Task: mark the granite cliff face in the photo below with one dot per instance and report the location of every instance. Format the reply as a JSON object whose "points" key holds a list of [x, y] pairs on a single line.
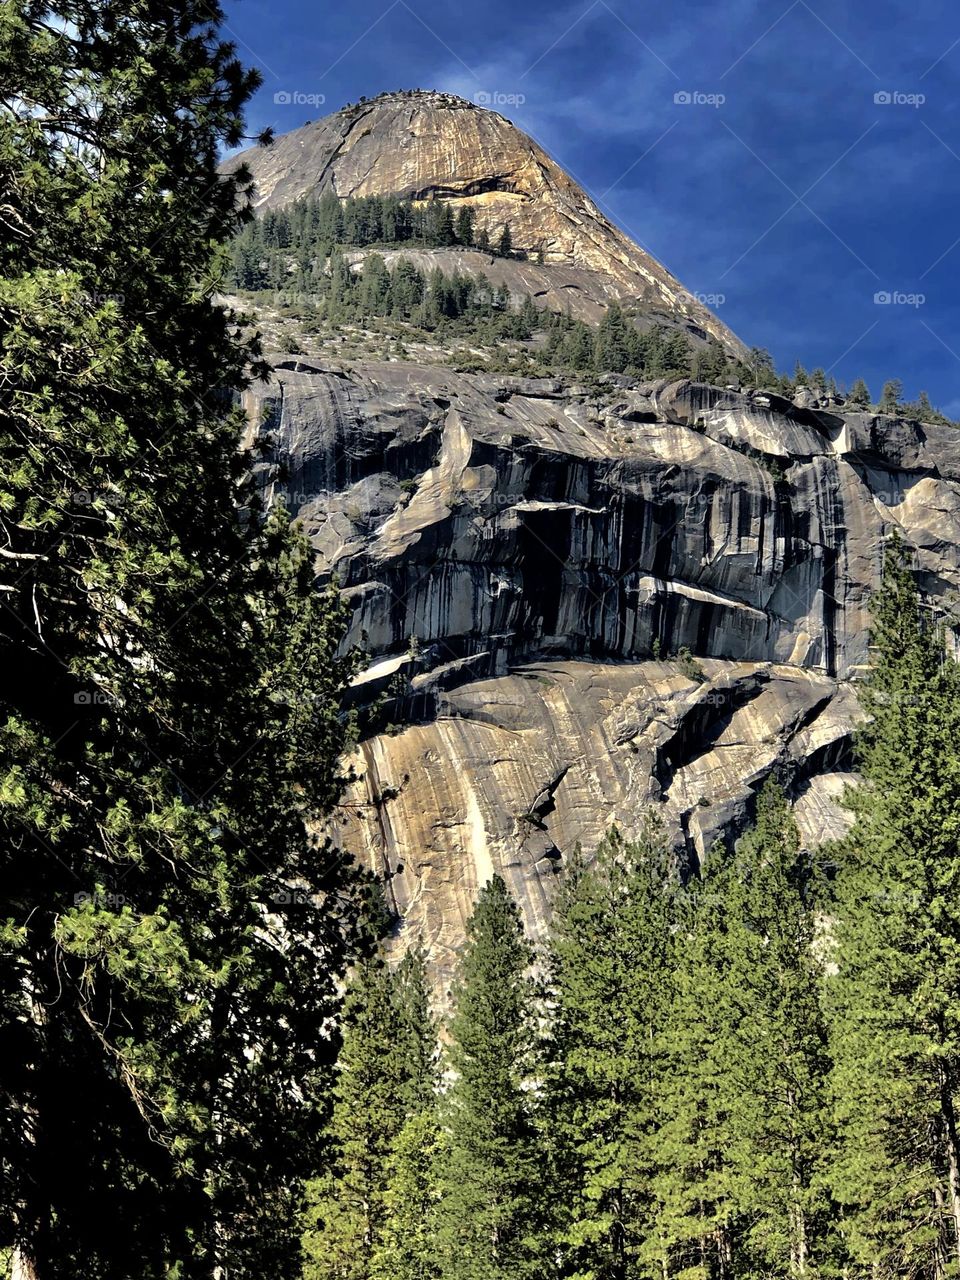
{"points": [[425, 145], [579, 600], [528, 563]]}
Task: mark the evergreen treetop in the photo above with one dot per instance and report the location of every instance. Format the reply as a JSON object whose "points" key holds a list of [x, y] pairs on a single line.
{"points": [[490, 1173]]}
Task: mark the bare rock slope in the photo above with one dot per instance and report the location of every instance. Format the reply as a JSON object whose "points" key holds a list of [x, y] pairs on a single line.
{"points": [[579, 602], [425, 145]]}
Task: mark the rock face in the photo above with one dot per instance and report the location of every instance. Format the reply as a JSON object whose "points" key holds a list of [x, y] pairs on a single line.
{"points": [[426, 145], [529, 561], [514, 772], [579, 601], [494, 520]]}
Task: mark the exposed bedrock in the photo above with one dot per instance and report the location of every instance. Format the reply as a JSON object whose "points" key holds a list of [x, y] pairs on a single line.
{"points": [[515, 771], [528, 562], [483, 518], [424, 146]]}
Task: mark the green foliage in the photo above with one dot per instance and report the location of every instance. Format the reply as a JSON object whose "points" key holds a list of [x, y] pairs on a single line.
{"points": [[384, 1093], [617, 346], [763, 369], [746, 1132], [697, 1222], [781, 1112], [490, 1177], [409, 1246], [689, 665], [891, 397], [894, 996], [464, 226], [858, 397], [608, 990], [295, 242], [433, 302], [171, 720]]}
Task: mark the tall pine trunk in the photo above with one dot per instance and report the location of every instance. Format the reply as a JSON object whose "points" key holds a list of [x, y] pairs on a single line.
{"points": [[950, 1144], [799, 1248], [23, 1267]]}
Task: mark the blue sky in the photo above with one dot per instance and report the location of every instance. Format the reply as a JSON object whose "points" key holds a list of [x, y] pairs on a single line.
{"points": [[816, 166]]}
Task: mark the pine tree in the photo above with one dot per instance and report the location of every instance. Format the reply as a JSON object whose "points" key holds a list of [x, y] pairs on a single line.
{"points": [[505, 243], [529, 315], [925, 410], [677, 354], [385, 1079], [446, 234], [465, 226], [341, 288], [483, 240], [578, 347], [415, 1034], [383, 1130], [714, 363], [696, 1214], [608, 978], [891, 396], [407, 1245], [894, 998], [742, 1148], [173, 724], [762, 368], [490, 1184], [345, 1206], [779, 1066], [612, 341], [859, 395], [375, 286]]}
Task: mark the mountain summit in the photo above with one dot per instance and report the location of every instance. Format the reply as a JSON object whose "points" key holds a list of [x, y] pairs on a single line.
{"points": [[425, 145]]}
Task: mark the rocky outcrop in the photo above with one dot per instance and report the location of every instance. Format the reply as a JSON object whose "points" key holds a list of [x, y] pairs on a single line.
{"points": [[492, 520], [425, 145], [581, 601], [514, 772]]}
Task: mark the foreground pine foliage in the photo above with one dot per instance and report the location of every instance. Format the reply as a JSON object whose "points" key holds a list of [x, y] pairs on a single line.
{"points": [[171, 933]]}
